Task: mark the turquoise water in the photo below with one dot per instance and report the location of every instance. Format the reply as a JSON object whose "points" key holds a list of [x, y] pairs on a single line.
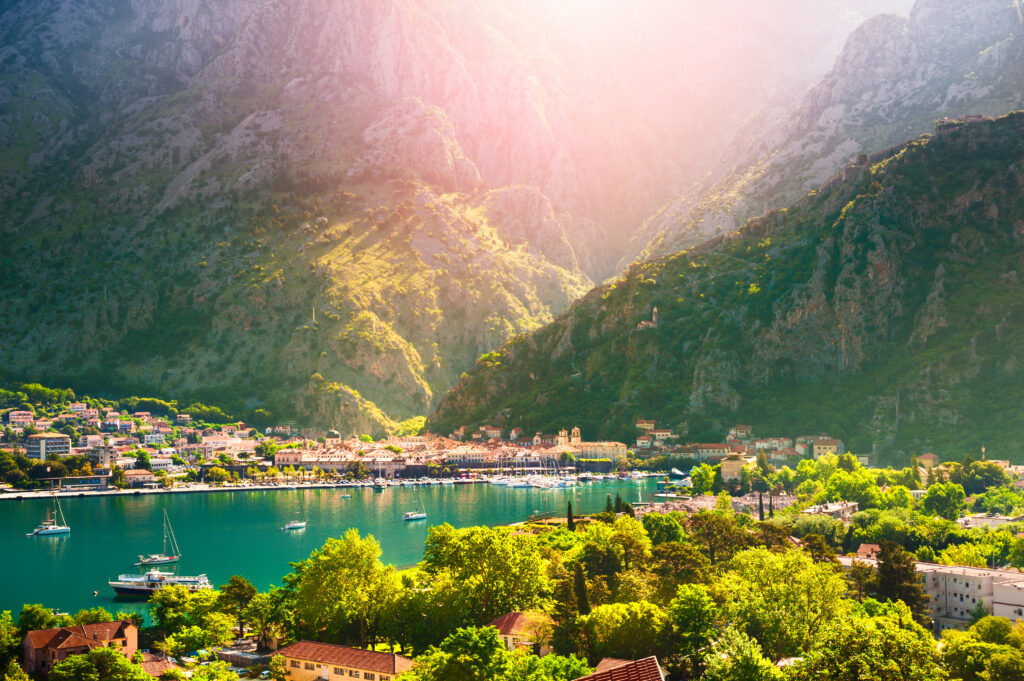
{"points": [[227, 533]]}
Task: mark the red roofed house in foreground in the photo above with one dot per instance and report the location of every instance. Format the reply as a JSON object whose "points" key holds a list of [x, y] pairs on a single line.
{"points": [[43, 648], [646, 669], [311, 661], [530, 630]]}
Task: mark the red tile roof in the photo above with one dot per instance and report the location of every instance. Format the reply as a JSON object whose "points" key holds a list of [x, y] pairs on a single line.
{"points": [[344, 656], [646, 669], [155, 666], [607, 663], [517, 623], [78, 635]]}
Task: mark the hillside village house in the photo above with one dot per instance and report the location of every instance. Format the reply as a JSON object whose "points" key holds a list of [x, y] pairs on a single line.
{"points": [[137, 477], [732, 466], [646, 669], [839, 510], [43, 648], [528, 630], [310, 661], [20, 418]]}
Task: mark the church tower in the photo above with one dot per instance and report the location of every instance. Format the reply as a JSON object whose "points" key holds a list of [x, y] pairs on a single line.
{"points": [[576, 437]]}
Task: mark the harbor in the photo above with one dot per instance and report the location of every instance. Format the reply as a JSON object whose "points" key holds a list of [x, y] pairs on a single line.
{"points": [[220, 535]]}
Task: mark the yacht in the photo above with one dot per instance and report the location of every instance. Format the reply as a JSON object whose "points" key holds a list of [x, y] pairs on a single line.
{"points": [[414, 515], [295, 525], [154, 580], [163, 557], [50, 525]]}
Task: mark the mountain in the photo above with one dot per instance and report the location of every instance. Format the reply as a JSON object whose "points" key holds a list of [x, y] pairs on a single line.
{"points": [[329, 210], [884, 309], [894, 78]]}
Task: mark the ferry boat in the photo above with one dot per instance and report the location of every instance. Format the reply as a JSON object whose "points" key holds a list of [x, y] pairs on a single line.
{"points": [[163, 558], [154, 580], [50, 525]]}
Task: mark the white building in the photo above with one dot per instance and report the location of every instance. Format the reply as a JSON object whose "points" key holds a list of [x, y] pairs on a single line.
{"points": [[154, 438], [41, 445]]}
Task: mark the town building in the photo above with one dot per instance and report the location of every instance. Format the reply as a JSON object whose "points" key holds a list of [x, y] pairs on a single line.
{"points": [[645, 424], [838, 510], [138, 477], [20, 418], [528, 630], [183, 418], [42, 445], [733, 464], [43, 648], [311, 661], [928, 461]]}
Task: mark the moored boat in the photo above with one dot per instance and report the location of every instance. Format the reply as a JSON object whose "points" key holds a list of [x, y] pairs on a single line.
{"points": [[154, 580], [50, 526], [414, 515], [163, 558]]}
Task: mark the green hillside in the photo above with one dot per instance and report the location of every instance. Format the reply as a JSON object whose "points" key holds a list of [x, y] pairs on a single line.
{"points": [[883, 309]]}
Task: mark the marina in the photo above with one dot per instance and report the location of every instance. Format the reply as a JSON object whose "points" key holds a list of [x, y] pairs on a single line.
{"points": [[240, 532]]}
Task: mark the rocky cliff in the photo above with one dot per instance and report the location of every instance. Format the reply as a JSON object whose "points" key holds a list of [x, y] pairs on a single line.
{"points": [[330, 209], [884, 309], [894, 78]]}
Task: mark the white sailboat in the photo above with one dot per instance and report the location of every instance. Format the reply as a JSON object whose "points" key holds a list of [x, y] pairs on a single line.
{"points": [[416, 515], [163, 557], [50, 525], [298, 523]]}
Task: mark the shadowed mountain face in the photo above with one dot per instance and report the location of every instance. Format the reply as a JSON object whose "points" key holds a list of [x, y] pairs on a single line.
{"points": [[894, 78], [330, 209], [885, 309]]}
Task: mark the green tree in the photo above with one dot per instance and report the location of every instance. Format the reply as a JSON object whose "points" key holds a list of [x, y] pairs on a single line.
{"points": [[342, 584], [624, 630], [92, 616], [15, 672], [703, 478], [142, 460], [235, 597], [492, 570], [898, 580], [217, 475], [992, 629], [99, 664], [467, 654], [737, 657], [580, 589], [35, 616], [10, 640], [876, 648], [264, 613], [278, 671], [944, 499], [662, 528], [692, 617], [571, 521], [1005, 665], [782, 600]]}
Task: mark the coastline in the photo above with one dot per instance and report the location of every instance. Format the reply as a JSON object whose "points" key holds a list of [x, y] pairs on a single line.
{"points": [[192, 489]]}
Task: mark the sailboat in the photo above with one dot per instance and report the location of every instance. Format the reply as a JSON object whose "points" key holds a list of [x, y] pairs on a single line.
{"points": [[50, 525], [163, 557], [416, 515], [298, 523]]}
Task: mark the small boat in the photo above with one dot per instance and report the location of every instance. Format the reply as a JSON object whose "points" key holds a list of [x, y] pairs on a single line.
{"points": [[298, 523], [50, 525], [163, 558], [414, 515], [154, 580], [346, 496]]}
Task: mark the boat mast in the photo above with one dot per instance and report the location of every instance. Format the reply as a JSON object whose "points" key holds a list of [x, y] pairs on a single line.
{"points": [[63, 522], [168, 530]]}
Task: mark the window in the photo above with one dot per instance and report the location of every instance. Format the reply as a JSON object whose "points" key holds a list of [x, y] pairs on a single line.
{"points": [[384, 677], [368, 676], [353, 673], [339, 671], [310, 665], [294, 663]]}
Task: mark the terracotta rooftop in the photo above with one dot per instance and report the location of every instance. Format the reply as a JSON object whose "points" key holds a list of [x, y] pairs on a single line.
{"points": [[517, 623], [646, 669], [607, 663], [155, 666], [344, 656], [78, 635]]}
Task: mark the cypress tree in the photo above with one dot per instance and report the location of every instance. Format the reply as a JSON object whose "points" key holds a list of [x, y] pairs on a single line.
{"points": [[898, 580], [572, 522], [618, 503], [608, 508], [771, 506], [760, 506], [580, 587]]}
